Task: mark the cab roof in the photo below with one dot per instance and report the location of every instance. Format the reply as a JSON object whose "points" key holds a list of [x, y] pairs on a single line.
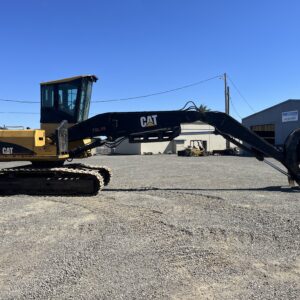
{"points": [[91, 77]]}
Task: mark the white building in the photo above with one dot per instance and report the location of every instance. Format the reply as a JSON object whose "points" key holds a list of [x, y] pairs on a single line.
{"points": [[194, 131]]}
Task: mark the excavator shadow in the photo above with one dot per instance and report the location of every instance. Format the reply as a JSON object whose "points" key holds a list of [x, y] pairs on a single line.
{"points": [[283, 189]]}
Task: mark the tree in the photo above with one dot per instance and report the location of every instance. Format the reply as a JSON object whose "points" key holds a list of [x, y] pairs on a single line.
{"points": [[203, 108]]}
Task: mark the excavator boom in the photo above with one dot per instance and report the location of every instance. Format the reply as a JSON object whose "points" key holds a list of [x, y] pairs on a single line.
{"points": [[156, 126]]}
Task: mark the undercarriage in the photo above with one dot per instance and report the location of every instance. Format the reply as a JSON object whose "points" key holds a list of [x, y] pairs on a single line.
{"points": [[70, 180]]}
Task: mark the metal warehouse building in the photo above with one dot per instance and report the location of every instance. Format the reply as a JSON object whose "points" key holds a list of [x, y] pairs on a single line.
{"points": [[274, 124], [197, 131]]}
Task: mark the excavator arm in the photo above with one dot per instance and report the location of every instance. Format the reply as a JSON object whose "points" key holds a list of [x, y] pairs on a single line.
{"points": [[156, 126]]}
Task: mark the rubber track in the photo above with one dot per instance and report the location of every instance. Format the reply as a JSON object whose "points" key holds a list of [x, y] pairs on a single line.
{"points": [[60, 174]]}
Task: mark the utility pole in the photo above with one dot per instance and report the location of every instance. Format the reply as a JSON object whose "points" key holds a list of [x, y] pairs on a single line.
{"points": [[226, 91]]}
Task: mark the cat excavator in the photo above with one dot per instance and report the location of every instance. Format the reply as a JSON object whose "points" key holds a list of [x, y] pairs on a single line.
{"points": [[66, 133]]}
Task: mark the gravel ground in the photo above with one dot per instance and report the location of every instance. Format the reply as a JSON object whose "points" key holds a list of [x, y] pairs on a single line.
{"points": [[167, 227]]}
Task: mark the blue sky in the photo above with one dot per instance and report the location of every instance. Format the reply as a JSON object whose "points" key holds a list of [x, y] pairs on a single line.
{"points": [[138, 47]]}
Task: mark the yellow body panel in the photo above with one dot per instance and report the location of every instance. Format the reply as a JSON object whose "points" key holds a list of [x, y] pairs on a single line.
{"points": [[33, 145], [27, 138], [27, 145]]}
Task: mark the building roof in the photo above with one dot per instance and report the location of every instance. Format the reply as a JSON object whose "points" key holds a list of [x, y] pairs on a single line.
{"points": [[272, 107]]}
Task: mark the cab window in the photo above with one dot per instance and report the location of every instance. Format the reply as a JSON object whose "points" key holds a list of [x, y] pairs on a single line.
{"points": [[84, 105], [48, 96], [67, 97]]}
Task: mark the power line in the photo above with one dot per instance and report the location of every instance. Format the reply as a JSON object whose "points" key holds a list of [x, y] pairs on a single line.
{"points": [[18, 112], [129, 98], [235, 110], [241, 94], [159, 93], [19, 101]]}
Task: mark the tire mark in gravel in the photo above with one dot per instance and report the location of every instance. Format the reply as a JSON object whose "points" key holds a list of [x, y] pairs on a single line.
{"points": [[173, 227], [72, 203], [153, 189], [199, 194], [257, 218], [141, 208]]}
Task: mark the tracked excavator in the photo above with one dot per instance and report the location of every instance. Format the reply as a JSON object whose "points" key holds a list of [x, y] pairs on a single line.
{"points": [[67, 133]]}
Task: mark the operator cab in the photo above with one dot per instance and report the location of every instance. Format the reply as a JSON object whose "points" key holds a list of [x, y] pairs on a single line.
{"points": [[66, 99]]}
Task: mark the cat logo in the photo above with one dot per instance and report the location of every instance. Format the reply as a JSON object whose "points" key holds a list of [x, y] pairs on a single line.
{"points": [[149, 121], [7, 150]]}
